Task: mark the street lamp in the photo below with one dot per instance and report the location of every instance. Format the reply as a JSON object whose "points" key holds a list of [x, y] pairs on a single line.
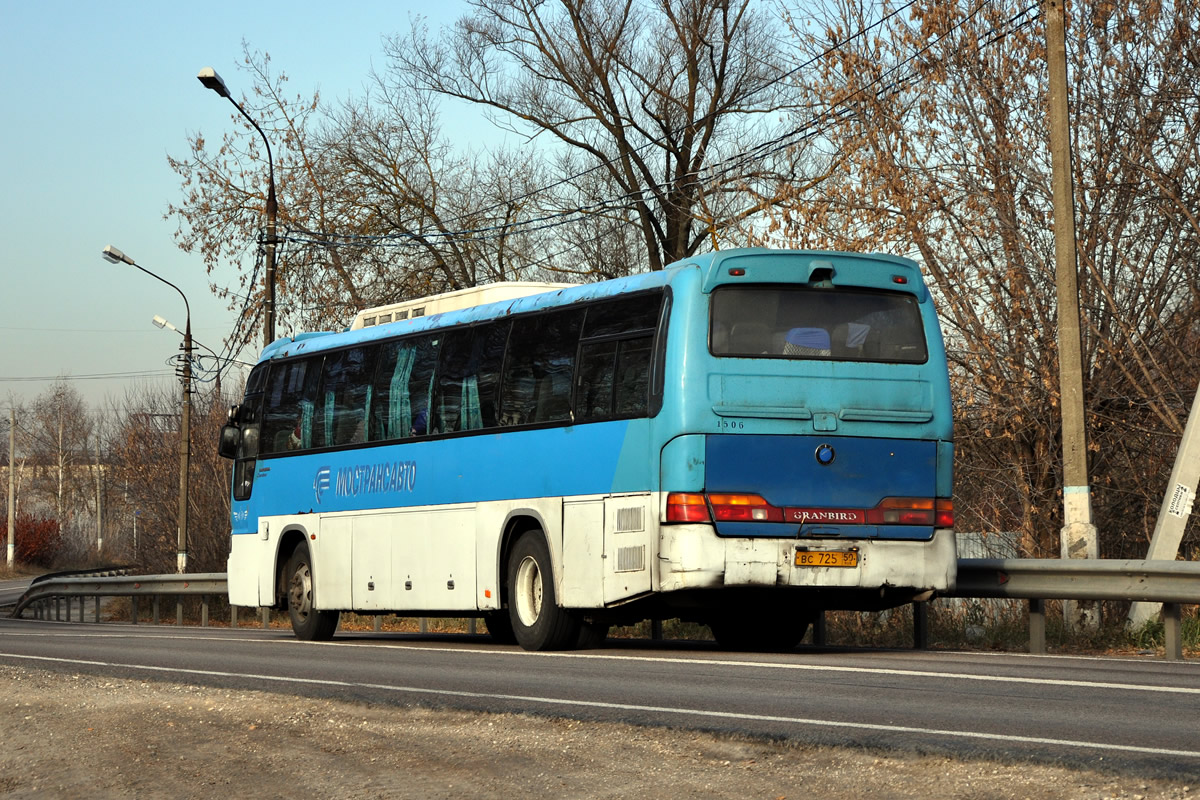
{"points": [[163, 322], [209, 77], [116, 256]]}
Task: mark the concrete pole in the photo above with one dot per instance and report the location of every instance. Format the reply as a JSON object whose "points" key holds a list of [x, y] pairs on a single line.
{"points": [[1079, 538], [99, 502], [185, 437], [12, 486], [1176, 507], [58, 510]]}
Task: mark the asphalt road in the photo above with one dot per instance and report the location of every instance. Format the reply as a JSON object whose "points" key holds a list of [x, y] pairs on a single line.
{"points": [[1120, 713]]}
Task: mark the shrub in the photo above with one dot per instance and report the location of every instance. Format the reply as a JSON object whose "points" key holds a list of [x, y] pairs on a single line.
{"points": [[39, 540]]}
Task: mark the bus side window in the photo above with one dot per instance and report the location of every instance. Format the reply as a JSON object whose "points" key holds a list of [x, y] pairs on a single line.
{"points": [[340, 408], [482, 381], [287, 412], [540, 366], [597, 365], [468, 376], [401, 394], [632, 384], [614, 358]]}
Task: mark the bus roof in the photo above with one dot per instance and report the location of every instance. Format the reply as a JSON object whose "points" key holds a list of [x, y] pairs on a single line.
{"points": [[758, 265], [450, 301]]}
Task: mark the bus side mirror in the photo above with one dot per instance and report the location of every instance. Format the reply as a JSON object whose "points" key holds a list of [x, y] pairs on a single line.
{"points": [[231, 437]]}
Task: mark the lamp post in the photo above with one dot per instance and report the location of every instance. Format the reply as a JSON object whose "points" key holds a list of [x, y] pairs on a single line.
{"points": [[116, 256], [209, 77]]}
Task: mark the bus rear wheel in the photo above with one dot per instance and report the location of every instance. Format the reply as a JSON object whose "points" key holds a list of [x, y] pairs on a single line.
{"points": [[537, 621], [308, 623]]}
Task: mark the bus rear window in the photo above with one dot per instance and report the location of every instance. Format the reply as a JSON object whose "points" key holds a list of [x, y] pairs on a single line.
{"points": [[826, 324]]}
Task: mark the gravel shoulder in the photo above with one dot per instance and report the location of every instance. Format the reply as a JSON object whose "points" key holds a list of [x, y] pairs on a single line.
{"points": [[70, 735]]}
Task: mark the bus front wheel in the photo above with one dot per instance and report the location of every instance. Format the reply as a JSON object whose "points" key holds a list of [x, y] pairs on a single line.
{"points": [[308, 623], [537, 621]]}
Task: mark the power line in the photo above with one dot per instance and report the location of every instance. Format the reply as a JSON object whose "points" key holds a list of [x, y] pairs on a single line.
{"points": [[92, 377]]}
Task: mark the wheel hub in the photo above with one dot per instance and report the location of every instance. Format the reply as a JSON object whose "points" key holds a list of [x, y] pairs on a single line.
{"points": [[300, 591], [529, 592]]}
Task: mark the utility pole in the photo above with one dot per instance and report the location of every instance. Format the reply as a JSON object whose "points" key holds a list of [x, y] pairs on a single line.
{"points": [[1176, 506], [185, 447], [12, 486], [99, 502], [61, 458], [1079, 538]]}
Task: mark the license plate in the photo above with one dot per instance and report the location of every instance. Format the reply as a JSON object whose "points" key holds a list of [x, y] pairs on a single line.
{"points": [[826, 558]]}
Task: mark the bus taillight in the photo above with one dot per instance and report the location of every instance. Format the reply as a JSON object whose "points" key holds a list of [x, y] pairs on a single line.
{"points": [[943, 516], [687, 507], [938, 513], [744, 508]]}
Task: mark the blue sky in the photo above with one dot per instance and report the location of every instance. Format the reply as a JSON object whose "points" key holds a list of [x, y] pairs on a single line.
{"points": [[95, 96]]}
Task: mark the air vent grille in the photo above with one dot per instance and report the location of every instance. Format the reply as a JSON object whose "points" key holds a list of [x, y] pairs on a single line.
{"points": [[631, 559], [631, 519]]}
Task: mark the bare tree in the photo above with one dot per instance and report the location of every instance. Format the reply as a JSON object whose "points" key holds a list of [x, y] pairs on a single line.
{"points": [[55, 437], [145, 480], [653, 95], [375, 205], [940, 115]]}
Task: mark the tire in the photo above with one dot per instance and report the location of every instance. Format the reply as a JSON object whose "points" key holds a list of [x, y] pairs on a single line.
{"points": [[741, 632], [591, 635], [308, 623], [499, 627], [537, 621]]}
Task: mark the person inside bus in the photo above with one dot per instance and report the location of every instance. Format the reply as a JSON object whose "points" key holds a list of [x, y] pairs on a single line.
{"points": [[420, 420], [293, 440], [806, 342]]}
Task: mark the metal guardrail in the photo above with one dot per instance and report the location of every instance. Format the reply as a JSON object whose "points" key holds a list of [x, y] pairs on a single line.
{"points": [[1079, 579], [92, 572], [1172, 583], [54, 589]]}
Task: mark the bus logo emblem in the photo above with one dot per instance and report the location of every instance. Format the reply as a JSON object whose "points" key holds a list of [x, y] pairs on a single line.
{"points": [[825, 455], [321, 482]]}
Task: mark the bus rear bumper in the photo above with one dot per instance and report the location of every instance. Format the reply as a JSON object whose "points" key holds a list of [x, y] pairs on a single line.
{"points": [[694, 557]]}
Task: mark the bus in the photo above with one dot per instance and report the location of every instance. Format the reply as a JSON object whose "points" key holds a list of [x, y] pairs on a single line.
{"points": [[743, 439]]}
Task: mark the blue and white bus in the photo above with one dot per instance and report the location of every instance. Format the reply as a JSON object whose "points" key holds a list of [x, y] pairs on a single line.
{"points": [[743, 439]]}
